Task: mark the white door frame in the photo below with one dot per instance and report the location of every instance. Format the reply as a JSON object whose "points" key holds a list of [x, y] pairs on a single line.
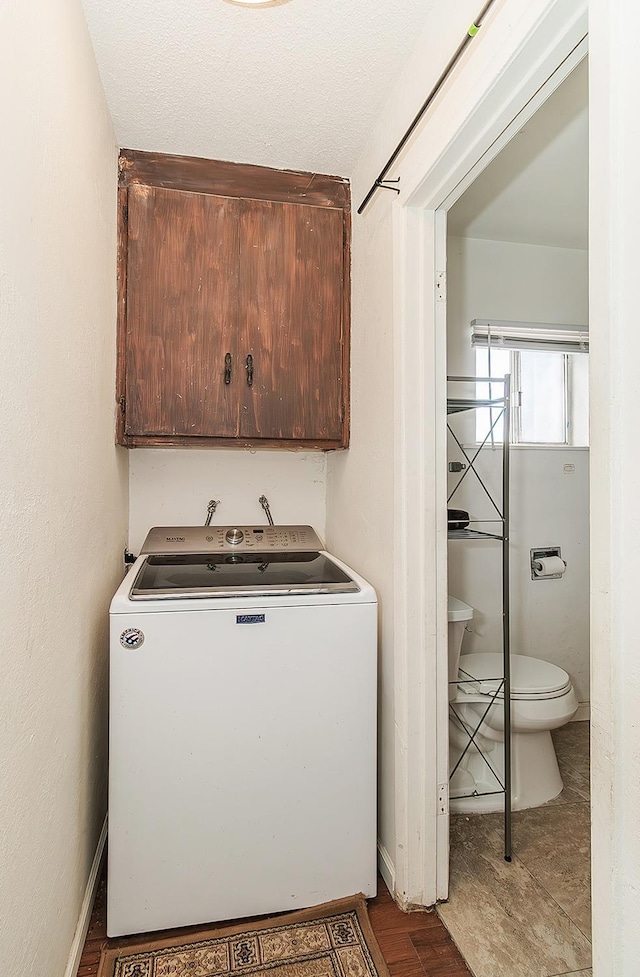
{"points": [[529, 46]]}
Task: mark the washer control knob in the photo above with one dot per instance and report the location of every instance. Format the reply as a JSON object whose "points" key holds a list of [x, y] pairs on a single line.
{"points": [[234, 536]]}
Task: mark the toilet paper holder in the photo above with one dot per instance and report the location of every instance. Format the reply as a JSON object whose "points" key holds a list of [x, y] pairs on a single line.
{"points": [[541, 553]]}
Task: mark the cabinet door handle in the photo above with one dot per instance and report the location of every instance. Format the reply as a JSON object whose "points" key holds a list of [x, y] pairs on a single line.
{"points": [[227, 368], [249, 370]]}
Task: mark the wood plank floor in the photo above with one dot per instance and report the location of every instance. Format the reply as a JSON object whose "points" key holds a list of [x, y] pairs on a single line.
{"points": [[413, 944]]}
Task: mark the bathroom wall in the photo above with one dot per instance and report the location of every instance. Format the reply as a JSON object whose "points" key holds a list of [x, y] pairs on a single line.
{"points": [[549, 503], [173, 486], [63, 498]]}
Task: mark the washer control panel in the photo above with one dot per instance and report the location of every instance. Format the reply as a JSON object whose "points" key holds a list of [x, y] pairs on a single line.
{"points": [[220, 539]]}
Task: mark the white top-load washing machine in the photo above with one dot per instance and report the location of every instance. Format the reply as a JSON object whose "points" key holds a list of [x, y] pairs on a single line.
{"points": [[242, 774]]}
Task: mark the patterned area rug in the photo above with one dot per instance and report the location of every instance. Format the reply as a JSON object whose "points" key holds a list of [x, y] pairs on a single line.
{"points": [[332, 940]]}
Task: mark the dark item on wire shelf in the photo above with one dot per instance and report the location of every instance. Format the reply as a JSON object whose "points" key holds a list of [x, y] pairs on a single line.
{"points": [[457, 518]]}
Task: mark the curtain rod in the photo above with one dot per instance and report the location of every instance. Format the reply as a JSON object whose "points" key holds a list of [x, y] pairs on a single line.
{"points": [[380, 181]]}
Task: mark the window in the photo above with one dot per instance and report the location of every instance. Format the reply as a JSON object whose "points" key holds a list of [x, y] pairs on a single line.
{"points": [[550, 392]]}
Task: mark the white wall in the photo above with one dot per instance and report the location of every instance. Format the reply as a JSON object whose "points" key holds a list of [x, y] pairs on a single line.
{"points": [[550, 618], [63, 502], [362, 482], [614, 59], [171, 487], [525, 282]]}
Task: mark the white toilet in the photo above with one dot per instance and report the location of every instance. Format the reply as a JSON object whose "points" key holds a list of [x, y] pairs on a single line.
{"points": [[542, 698]]}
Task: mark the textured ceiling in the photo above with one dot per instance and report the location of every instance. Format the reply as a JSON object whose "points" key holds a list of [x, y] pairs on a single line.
{"points": [[297, 85], [536, 191]]}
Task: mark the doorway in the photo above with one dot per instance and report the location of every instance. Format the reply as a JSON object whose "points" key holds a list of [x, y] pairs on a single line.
{"points": [[517, 275], [452, 150]]}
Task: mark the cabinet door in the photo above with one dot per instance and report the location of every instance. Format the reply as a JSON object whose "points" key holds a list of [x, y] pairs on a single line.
{"points": [[182, 296], [290, 320]]}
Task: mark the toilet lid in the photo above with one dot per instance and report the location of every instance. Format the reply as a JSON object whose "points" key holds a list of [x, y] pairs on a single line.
{"points": [[457, 610], [530, 677]]}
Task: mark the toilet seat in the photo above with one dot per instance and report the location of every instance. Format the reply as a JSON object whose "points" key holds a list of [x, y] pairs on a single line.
{"points": [[531, 678], [457, 610]]}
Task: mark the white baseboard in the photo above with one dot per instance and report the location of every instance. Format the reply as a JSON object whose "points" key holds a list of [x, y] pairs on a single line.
{"points": [[584, 712], [87, 905], [386, 867]]}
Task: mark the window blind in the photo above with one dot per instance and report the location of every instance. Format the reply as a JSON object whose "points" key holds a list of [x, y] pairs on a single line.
{"points": [[530, 335]]}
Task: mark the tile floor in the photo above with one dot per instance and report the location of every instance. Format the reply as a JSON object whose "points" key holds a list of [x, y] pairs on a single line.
{"points": [[529, 918]]}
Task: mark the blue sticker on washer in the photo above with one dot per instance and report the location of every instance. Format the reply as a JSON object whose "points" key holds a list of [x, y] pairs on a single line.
{"points": [[250, 618]]}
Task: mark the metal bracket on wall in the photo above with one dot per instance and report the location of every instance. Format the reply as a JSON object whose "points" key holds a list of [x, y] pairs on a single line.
{"points": [[384, 185]]}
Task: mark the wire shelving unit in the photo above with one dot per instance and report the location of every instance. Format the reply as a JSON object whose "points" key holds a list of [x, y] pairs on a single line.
{"points": [[499, 408]]}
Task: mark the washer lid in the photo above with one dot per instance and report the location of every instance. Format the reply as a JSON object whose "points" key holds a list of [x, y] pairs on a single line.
{"points": [[529, 676], [457, 610], [176, 575]]}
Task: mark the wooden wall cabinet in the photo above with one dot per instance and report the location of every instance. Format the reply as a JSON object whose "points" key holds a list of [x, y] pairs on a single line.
{"points": [[233, 304]]}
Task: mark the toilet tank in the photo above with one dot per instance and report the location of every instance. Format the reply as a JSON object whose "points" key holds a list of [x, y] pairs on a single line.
{"points": [[458, 613]]}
